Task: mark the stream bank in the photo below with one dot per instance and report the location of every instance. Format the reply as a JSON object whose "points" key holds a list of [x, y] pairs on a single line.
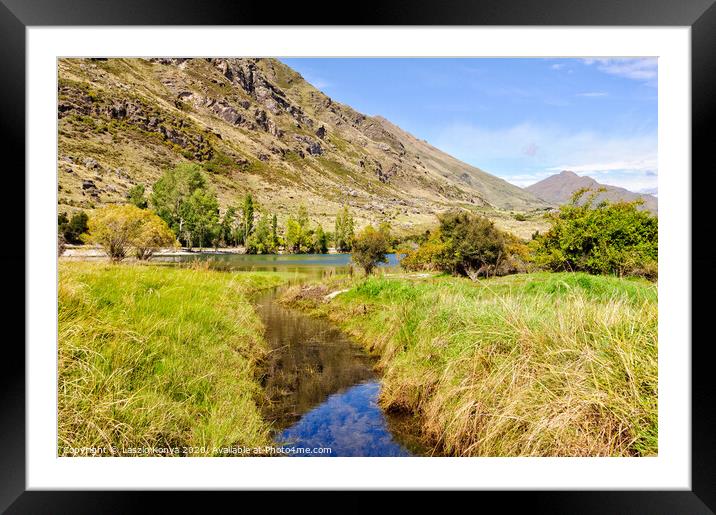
{"points": [[323, 389]]}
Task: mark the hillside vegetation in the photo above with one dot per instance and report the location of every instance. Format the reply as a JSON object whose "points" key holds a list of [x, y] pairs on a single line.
{"points": [[255, 126], [545, 364]]}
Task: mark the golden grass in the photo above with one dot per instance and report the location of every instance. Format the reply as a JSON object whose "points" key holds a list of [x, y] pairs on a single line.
{"points": [[530, 365]]}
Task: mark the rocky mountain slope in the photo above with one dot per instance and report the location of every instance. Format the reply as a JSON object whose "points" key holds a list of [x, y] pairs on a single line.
{"points": [[254, 125], [558, 189]]}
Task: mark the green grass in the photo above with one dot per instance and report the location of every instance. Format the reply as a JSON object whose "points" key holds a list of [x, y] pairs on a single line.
{"points": [[158, 356], [528, 365]]}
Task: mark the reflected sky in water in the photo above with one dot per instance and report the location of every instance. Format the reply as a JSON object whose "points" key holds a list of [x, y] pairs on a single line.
{"points": [[349, 422], [321, 387]]}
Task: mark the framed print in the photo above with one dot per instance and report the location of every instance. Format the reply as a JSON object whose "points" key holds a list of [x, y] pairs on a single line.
{"points": [[423, 248]]}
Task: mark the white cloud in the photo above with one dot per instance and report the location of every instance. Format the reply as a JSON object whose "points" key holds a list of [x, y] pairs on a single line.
{"points": [[631, 182], [319, 83], [593, 94], [636, 183], [646, 164], [636, 68], [557, 66], [315, 80], [525, 179]]}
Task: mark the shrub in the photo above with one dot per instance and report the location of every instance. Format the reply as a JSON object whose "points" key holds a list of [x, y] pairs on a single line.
{"points": [[118, 228], [427, 256], [200, 214], [153, 234], [319, 243], [72, 229], [293, 236], [607, 238], [466, 244], [60, 244], [474, 243], [298, 236], [135, 195], [343, 235], [370, 247], [174, 201]]}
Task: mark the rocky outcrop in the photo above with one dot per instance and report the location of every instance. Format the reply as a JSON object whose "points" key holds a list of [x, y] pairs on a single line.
{"points": [[135, 112], [312, 146], [91, 163], [385, 176], [244, 74]]}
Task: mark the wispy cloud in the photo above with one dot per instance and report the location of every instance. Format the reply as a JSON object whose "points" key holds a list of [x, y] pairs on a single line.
{"points": [[593, 94], [557, 66], [316, 80], [525, 179], [526, 153], [640, 183], [635, 68], [530, 150], [647, 165], [320, 83]]}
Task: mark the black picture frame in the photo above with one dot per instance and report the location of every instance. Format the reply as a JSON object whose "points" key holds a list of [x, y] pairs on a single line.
{"points": [[700, 15]]}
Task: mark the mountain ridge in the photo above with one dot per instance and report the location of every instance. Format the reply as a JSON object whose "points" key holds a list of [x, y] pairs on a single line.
{"points": [[558, 189], [256, 126]]}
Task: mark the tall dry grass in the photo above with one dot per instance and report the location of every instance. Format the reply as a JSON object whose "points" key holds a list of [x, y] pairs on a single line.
{"points": [[158, 357], [529, 365]]}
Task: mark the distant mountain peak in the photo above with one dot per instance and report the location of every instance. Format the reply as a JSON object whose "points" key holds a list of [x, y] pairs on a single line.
{"points": [[559, 188]]}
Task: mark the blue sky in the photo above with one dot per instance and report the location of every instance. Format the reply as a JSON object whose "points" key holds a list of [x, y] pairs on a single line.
{"points": [[520, 119]]}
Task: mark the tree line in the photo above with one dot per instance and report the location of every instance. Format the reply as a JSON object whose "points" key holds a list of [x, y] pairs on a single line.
{"points": [[188, 209], [184, 200]]}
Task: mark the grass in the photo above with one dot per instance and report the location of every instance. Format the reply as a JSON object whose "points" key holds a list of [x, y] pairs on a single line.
{"points": [[527, 365], [158, 357]]}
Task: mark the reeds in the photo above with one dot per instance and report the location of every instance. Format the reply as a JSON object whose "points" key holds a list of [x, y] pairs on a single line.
{"points": [[153, 357], [531, 365]]}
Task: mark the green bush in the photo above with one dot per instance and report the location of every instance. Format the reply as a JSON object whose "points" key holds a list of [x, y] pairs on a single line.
{"points": [[184, 200], [71, 229], [427, 256], [135, 195], [262, 240], [465, 244], [370, 247], [606, 238]]}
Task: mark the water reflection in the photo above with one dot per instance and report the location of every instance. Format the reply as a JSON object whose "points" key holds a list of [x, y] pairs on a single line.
{"points": [[350, 423], [322, 388], [310, 359], [314, 265]]}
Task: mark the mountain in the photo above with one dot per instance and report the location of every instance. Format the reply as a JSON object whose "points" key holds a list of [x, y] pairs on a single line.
{"points": [[558, 189], [650, 191], [257, 126]]}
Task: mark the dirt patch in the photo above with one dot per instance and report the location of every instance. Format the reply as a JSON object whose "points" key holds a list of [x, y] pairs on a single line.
{"points": [[307, 292]]}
